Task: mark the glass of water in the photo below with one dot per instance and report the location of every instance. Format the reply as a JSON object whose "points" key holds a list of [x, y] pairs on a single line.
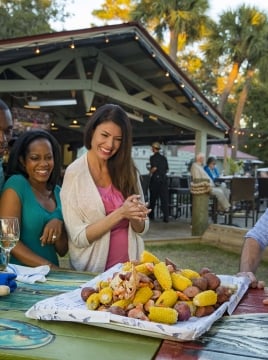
{"points": [[9, 236]]}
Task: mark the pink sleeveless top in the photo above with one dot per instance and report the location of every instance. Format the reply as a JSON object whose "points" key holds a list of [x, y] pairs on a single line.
{"points": [[118, 249]]}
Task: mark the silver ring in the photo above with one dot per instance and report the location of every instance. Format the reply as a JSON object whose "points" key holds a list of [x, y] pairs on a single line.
{"points": [[54, 237]]}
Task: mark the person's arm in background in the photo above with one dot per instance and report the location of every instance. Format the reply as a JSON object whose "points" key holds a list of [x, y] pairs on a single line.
{"points": [[256, 240], [250, 259]]}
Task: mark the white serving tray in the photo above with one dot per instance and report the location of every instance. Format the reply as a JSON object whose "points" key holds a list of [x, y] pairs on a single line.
{"points": [[70, 307]]}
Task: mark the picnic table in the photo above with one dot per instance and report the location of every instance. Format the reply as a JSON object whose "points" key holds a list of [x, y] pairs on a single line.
{"points": [[25, 338]]}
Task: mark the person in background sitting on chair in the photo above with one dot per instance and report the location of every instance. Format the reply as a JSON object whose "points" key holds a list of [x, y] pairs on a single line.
{"points": [[198, 172], [256, 240], [32, 195], [211, 168], [159, 181], [212, 171]]}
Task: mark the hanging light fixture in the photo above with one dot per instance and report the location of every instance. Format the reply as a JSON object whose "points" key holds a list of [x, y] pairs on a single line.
{"points": [[56, 102], [74, 124]]}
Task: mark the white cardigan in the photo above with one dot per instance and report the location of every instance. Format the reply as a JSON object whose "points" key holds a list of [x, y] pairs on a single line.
{"points": [[82, 205]]}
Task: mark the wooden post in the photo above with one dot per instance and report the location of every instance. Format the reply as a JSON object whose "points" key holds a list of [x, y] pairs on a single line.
{"points": [[200, 197]]}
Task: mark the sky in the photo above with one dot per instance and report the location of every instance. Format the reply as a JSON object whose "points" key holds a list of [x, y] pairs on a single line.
{"points": [[81, 10]]}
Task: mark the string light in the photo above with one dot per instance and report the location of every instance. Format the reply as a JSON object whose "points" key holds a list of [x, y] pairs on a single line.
{"points": [[37, 50], [107, 40], [72, 45]]}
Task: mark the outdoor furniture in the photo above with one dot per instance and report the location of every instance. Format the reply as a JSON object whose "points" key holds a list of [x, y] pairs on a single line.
{"points": [[70, 340], [242, 200], [262, 198], [179, 196], [145, 182]]}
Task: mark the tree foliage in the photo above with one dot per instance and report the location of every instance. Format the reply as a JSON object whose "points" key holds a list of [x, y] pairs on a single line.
{"points": [[29, 17], [114, 10], [184, 21]]}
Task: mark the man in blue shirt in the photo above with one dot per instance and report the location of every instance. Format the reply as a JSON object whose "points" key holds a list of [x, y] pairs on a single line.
{"points": [[6, 126]]}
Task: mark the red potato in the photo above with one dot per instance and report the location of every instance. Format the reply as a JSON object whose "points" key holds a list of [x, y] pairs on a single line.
{"points": [[204, 270], [223, 294], [265, 301], [117, 310], [204, 310], [86, 292], [213, 280], [201, 283], [191, 291], [183, 310]]}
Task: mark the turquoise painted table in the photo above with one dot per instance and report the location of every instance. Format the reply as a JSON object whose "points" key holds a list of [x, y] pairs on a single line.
{"points": [[230, 338], [23, 338]]}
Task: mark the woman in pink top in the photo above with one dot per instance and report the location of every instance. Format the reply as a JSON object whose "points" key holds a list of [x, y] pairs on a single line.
{"points": [[102, 199]]}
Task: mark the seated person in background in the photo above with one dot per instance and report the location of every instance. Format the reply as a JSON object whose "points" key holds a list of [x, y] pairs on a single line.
{"points": [[198, 172], [31, 194], [256, 240], [211, 168], [212, 171]]}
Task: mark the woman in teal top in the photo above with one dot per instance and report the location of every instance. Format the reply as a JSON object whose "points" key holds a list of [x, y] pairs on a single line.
{"points": [[31, 193]]}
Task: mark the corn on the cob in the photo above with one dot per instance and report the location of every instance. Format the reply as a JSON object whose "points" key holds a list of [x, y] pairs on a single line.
{"points": [[127, 266], [93, 301], [164, 315], [167, 299], [205, 298], [102, 284], [180, 282], [145, 268], [147, 256], [163, 275], [106, 295], [189, 273], [123, 303], [142, 295]]}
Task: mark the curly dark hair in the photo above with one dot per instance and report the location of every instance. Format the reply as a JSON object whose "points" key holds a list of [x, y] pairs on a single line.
{"points": [[20, 148], [121, 166]]}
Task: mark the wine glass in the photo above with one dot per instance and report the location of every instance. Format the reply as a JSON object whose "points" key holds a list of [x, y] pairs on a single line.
{"points": [[9, 236]]}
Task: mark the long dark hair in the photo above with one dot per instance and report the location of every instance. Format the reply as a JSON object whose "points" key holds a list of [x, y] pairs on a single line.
{"points": [[20, 149], [121, 166]]}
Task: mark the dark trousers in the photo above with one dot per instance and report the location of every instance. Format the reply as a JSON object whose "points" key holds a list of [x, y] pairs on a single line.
{"points": [[159, 189]]}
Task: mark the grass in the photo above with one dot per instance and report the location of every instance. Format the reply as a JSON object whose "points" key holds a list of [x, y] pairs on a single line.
{"points": [[196, 256]]}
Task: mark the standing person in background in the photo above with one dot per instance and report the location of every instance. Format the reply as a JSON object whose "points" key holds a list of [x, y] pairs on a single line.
{"points": [[6, 127], [102, 198], [159, 182], [31, 194]]}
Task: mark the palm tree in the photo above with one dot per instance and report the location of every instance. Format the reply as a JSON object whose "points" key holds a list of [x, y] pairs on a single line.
{"points": [[234, 40], [185, 20], [257, 63]]}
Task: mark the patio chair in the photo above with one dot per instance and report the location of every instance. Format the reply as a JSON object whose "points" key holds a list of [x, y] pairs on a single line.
{"points": [[262, 197], [242, 199], [179, 196]]}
